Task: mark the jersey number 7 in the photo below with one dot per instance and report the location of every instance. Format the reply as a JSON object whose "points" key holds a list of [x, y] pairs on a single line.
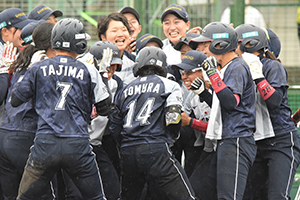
{"points": [[64, 88]]}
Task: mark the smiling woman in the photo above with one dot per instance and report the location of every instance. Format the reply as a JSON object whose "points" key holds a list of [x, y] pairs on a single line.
{"points": [[115, 28], [175, 23]]}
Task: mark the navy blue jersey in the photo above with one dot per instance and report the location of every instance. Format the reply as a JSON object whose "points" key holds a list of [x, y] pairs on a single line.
{"points": [[23, 117], [129, 55], [241, 121], [276, 75], [4, 82], [140, 110], [117, 81], [64, 90]]}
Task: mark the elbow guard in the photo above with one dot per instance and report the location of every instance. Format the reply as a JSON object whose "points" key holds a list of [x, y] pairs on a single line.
{"points": [[15, 101], [173, 114], [104, 107], [173, 120]]}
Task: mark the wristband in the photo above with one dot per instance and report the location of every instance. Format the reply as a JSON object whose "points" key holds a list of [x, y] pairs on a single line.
{"points": [[265, 89], [198, 124], [217, 83], [296, 116]]}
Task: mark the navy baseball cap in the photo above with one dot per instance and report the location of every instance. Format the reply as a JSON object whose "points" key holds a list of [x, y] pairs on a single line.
{"points": [[185, 40], [192, 59], [274, 44], [43, 12], [175, 10], [142, 41], [26, 33], [127, 9], [14, 17]]}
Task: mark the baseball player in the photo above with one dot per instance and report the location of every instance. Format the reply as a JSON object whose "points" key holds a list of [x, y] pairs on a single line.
{"points": [[107, 60], [45, 13], [148, 40], [115, 28], [12, 20], [98, 130], [18, 127], [175, 24], [133, 19], [183, 44], [187, 142], [26, 33], [232, 119], [277, 138], [147, 116], [63, 90], [202, 177]]}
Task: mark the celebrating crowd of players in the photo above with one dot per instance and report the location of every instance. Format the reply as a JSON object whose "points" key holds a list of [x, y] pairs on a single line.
{"points": [[112, 120]]}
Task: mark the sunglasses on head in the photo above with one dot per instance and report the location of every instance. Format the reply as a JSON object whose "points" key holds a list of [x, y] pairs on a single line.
{"points": [[189, 72]]}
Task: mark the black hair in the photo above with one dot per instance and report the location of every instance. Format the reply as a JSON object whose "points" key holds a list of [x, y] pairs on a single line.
{"points": [[270, 55], [100, 19], [103, 26], [7, 27], [151, 70], [41, 37]]}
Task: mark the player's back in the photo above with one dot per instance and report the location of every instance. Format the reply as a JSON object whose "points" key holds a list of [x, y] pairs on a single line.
{"points": [[65, 90], [142, 104], [23, 117]]}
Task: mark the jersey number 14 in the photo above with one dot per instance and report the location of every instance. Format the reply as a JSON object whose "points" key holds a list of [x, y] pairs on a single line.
{"points": [[143, 114]]}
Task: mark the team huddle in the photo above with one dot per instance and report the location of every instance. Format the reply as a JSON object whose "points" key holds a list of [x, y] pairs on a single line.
{"points": [[112, 120]]}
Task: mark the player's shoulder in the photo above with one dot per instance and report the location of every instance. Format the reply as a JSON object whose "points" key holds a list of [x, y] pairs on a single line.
{"points": [[239, 63], [127, 61], [273, 66], [38, 63], [169, 84], [87, 61], [267, 62]]}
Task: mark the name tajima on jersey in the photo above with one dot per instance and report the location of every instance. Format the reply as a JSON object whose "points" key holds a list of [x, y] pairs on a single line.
{"points": [[64, 90]]}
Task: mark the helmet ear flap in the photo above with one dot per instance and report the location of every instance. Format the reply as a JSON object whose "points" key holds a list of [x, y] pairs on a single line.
{"points": [[218, 46], [81, 47], [253, 42]]}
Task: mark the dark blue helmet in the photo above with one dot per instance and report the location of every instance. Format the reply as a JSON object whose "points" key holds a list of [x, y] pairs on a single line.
{"points": [[253, 35], [222, 36], [150, 56], [69, 34], [98, 49]]}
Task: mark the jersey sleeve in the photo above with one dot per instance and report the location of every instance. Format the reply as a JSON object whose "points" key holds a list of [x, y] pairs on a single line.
{"points": [[175, 97], [236, 78], [116, 117], [275, 74], [100, 90], [25, 89], [4, 80]]}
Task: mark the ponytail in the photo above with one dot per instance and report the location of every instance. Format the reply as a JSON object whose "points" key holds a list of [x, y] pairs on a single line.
{"points": [[23, 59]]}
